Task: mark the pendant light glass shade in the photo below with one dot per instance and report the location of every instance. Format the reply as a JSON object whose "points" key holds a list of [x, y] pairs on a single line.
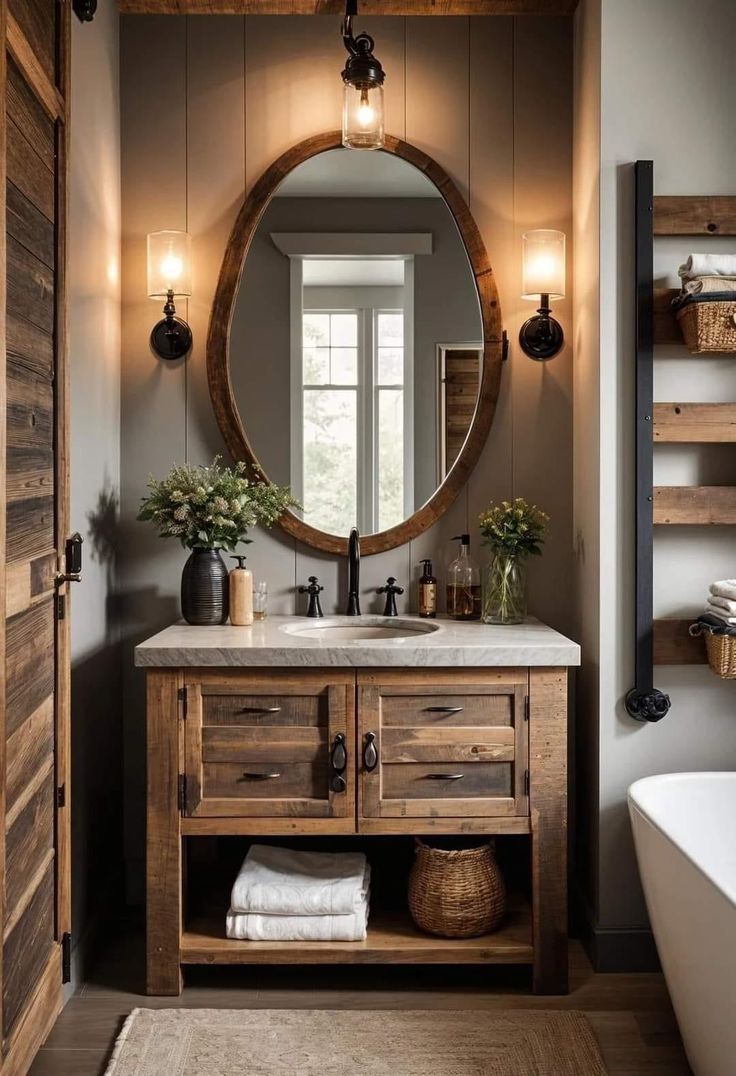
{"points": [[362, 116]]}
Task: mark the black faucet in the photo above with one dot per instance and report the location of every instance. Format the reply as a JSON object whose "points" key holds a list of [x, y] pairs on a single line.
{"points": [[353, 608]]}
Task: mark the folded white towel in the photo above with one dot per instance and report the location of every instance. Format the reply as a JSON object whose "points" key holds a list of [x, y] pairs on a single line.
{"points": [[726, 605], [715, 610], [708, 265], [707, 285], [255, 927], [724, 588], [280, 881]]}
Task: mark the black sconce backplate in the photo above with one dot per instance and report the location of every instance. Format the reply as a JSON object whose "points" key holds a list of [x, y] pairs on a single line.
{"points": [[541, 337], [171, 338]]}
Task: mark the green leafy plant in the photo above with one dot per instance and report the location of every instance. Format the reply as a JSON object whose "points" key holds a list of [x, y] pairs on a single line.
{"points": [[514, 528], [212, 507]]}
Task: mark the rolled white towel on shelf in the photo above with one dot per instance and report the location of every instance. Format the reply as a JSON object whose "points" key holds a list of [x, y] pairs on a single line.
{"points": [[709, 285], [724, 588], [293, 928], [708, 265], [715, 610], [281, 881], [726, 605]]}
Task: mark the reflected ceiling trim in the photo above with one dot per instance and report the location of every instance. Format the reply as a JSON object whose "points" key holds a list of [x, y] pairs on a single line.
{"points": [[337, 7]]}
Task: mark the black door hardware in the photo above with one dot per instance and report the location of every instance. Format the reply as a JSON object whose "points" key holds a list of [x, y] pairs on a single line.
{"points": [[370, 754], [72, 561], [338, 763]]}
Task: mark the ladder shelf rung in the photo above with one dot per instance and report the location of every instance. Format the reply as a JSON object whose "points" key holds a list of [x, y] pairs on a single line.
{"points": [[695, 423], [693, 505]]}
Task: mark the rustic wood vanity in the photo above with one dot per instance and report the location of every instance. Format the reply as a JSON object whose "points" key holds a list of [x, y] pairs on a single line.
{"points": [[260, 733]]}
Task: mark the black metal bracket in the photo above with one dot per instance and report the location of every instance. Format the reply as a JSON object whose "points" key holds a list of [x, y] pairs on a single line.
{"points": [[644, 702], [84, 9]]}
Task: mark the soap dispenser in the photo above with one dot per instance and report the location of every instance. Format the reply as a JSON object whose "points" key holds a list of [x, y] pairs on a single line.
{"points": [[427, 591], [463, 584], [241, 594]]}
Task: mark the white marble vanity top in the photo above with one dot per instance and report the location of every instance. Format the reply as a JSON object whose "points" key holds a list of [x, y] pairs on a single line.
{"points": [[278, 641]]}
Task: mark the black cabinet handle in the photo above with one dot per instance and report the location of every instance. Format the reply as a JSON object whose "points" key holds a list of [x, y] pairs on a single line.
{"points": [[370, 754], [445, 709], [444, 776], [259, 776], [338, 763], [260, 710]]}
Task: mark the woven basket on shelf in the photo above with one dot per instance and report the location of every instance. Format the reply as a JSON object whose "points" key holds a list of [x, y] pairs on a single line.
{"points": [[720, 647], [708, 326], [456, 893]]}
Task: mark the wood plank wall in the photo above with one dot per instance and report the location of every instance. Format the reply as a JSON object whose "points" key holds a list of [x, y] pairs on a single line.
{"points": [[207, 104]]}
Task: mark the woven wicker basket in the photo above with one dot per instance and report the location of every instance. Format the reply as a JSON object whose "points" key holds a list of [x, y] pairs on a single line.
{"points": [[456, 894], [722, 655], [708, 326]]}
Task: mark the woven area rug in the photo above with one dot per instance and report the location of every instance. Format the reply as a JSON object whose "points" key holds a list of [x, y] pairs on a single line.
{"points": [[317, 1042]]}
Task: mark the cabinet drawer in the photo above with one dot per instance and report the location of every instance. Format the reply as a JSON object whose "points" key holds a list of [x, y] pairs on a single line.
{"points": [[270, 745], [444, 749]]}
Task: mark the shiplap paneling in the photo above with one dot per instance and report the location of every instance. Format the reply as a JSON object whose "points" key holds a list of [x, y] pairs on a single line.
{"points": [[207, 104]]}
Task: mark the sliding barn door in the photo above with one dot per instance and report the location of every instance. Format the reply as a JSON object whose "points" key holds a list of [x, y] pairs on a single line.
{"points": [[34, 799]]}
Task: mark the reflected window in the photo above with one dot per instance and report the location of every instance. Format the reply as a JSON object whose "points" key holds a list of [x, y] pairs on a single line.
{"points": [[354, 414]]}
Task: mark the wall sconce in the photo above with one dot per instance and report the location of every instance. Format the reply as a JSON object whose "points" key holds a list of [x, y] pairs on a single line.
{"points": [[543, 277], [362, 101], [170, 274]]}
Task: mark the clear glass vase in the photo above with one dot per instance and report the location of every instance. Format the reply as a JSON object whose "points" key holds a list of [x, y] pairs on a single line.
{"points": [[504, 600]]}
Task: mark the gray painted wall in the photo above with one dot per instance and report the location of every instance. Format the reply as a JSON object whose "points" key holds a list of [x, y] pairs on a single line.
{"points": [[207, 104], [665, 94], [93, 285], [446, 310]]}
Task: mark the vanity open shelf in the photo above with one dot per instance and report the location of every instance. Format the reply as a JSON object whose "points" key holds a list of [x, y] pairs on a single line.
{"points": [[328, 743], [392, 939]]}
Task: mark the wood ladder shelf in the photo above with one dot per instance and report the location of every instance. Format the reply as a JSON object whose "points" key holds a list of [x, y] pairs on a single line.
{"points": [[666, 641]]}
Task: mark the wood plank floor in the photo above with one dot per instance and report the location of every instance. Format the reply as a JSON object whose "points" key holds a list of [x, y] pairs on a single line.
{"points": [[631, 1014]]}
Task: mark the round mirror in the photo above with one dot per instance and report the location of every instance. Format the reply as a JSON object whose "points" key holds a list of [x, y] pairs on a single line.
{"points": [[355, 344]]}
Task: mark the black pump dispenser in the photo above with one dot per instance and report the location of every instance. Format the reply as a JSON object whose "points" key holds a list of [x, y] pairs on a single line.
{"points": [[240, 558], [464, 539]]}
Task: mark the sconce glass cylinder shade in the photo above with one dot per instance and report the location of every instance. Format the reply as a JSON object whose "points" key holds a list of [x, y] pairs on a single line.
{"points": [[169, 264], [170, 274], [543, 264]]}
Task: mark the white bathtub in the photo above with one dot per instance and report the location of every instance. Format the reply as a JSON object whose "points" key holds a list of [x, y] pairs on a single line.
{"points": [[685, 835]]}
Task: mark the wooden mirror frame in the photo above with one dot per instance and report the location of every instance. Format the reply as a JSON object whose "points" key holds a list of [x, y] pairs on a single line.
{"points": [[218, 342]]}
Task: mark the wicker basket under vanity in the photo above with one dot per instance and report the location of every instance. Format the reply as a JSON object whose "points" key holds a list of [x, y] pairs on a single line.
{"points": [[456, 892], [708, 326]]}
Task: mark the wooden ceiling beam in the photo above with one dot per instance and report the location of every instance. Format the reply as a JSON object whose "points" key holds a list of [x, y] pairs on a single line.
{"points": [[337, 7]]}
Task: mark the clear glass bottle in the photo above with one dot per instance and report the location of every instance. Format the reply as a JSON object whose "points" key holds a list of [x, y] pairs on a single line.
{"points": [[463, 584]]}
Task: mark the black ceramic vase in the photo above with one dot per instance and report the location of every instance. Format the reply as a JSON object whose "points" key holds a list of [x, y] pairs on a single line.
{"points": [[204, 588]]}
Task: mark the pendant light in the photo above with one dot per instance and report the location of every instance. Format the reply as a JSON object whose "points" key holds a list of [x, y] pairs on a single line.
{"points": [[362, 103]]}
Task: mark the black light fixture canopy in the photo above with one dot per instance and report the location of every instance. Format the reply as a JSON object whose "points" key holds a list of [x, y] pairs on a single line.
{"points": [[541, 336], [362, 69]]}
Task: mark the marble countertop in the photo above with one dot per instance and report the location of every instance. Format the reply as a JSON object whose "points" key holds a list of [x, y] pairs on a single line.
{"points": [[277, 642]]}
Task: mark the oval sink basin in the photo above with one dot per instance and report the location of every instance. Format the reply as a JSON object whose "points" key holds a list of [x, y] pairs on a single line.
{"points": [[360, 629]]}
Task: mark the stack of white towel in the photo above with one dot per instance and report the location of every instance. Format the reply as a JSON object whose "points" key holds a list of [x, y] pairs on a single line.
{"points": [[722, 601], [283, 895], [708, 275]]}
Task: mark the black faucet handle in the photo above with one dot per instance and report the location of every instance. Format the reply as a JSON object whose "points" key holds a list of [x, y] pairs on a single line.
{"points": [[313, 590], [390, 590], [390, 587]]}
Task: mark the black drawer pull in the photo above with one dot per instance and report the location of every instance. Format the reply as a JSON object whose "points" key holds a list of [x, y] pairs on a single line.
{"points": [[260, 710], [370, 755], [444, 776], [338, 763], [259, 776], [445, 709]]}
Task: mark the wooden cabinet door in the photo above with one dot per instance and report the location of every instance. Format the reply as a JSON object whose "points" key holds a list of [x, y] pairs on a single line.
{"points": [[275, 744], [443, 744], [35, 794]]}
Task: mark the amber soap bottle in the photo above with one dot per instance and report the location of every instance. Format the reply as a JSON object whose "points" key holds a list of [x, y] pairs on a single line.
{"points": [[427, 591]]}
